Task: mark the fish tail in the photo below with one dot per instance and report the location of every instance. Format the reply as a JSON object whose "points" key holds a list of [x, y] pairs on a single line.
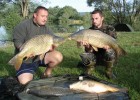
{"points": [[122, 51], [119, 52], [16, 61], [13, 60], [124, 90]]}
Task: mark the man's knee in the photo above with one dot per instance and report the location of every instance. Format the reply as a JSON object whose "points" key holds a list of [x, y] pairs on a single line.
{"points": [[58, 56], [88, 59], [110, 55], [25, 78], [53, 58]]}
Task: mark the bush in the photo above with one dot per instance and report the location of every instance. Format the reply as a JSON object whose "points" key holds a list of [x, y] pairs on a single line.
{"points": [[10, 21]]}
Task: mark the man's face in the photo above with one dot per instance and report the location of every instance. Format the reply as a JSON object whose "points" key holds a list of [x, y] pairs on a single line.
{"points": [[97, 20], [41, 17]]}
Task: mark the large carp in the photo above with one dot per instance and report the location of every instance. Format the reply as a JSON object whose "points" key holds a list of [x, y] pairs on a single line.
{"points": [[97, 39], [37, 45], [95, 87]]}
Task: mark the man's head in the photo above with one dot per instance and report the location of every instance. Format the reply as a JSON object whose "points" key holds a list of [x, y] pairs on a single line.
{"points": [[97, 18], [40, 15]]}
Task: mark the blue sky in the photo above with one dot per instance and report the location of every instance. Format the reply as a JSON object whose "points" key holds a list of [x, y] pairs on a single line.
{"points": [[79, 5]]}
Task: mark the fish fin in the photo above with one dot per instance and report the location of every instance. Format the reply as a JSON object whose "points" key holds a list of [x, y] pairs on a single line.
{"points": [[18, 63], [96, 49], [124, 90], [122, 51], [28, 56], [42, 56], [13, 60]]}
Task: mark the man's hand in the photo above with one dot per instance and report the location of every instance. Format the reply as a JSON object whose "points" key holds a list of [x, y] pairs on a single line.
{"points": [[83, 43], [106, 47], [89, 47], [52, 48]]}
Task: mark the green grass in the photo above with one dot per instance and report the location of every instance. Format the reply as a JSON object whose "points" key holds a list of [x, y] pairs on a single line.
{"points": [[127, 69]]}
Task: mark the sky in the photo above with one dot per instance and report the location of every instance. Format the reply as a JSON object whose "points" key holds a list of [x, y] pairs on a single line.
{"points": [[79, 5]]}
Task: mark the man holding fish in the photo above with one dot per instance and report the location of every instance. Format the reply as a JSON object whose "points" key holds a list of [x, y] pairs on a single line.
{"points": [[105, 55], [24, 32]]}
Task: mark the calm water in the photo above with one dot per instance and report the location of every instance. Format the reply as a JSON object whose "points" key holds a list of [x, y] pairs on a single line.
{"points": [[3, 36]]}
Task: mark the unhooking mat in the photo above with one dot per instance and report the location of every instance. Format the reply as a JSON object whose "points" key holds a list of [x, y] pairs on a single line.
{"points": [[58, 89]]}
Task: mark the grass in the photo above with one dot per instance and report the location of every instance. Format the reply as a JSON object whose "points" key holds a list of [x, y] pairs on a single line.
{"points": [[127, 69]]}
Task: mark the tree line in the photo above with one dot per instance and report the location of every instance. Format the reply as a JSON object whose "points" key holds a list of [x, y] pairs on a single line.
{"points": [[67, 19]]}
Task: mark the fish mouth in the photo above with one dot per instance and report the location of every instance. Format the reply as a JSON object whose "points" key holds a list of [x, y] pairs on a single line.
{"points": [[58, 40]]}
